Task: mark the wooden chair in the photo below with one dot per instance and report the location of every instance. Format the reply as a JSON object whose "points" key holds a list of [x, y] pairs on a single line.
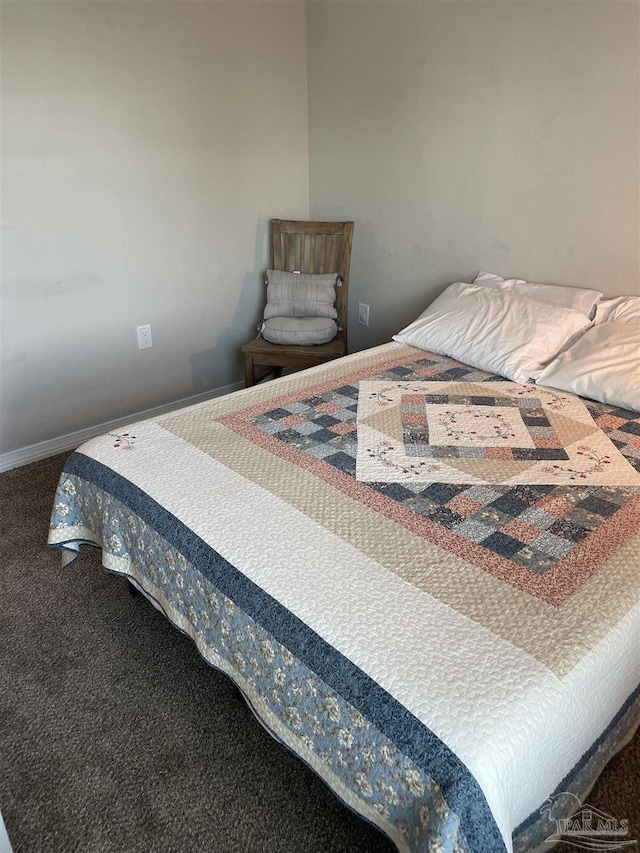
{"points": [[309, 247]]}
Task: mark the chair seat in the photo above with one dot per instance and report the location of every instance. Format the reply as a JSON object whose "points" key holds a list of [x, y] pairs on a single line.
{"points": [[259, 352]]}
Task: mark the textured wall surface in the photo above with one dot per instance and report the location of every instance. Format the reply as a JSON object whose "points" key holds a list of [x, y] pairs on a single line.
{"points": [[145, 148], [475, 135]]}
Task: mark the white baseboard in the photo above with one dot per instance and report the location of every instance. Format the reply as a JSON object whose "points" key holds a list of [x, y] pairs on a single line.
{"points": [[44, 449]]}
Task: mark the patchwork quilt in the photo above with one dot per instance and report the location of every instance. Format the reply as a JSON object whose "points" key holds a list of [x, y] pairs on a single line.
{"points": [[424, 579]]}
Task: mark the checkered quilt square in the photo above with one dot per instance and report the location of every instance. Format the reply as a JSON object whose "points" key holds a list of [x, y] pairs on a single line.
{"points": [[521, 472]]}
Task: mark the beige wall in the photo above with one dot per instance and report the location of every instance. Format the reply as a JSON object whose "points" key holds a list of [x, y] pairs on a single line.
{"points": [[145, 147], [465, 135]]}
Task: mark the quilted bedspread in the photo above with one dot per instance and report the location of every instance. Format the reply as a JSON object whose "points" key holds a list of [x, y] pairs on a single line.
{"points": [[424, 578]]}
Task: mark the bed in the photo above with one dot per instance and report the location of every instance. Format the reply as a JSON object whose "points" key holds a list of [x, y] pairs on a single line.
{"points": [[421, 574]]}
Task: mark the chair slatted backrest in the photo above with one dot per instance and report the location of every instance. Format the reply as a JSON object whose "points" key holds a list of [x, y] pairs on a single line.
{"points": [[315, 248]]}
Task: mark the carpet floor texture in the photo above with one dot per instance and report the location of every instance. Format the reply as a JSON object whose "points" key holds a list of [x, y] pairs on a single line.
{"points": [[116, 737]]}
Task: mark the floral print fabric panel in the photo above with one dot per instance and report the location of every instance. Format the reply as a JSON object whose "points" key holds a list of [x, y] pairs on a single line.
{"points": [[363, 765]]}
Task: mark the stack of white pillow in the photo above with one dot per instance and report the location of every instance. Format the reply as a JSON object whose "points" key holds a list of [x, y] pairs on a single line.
{"points": [[562, 337], [604, 363]]}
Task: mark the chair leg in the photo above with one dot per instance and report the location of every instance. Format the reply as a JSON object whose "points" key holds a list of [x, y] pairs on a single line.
{"points": [[273, 371], [249, 378]]}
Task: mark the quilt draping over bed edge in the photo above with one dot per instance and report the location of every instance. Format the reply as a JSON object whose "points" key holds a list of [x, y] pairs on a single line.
{"points": [[434, 596]]}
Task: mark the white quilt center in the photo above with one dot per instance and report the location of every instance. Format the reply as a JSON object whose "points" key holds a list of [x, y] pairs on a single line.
{"points": [[490, 432], [471, 426]]}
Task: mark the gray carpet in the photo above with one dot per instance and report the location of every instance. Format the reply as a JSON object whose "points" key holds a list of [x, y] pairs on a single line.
{"points": [[116, 736]]}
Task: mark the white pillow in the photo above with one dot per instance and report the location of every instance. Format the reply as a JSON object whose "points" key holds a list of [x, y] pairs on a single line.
{"points": [[570, 297], [292, 294], [622, 309], [495, 330], [604, 364]]}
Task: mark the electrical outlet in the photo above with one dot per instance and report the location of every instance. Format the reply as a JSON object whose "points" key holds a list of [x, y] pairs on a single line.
{"points": [[363, 314], [144, 337]]}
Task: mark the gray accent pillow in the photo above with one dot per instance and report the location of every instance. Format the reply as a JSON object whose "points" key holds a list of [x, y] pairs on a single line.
{"points": [[291, 294], [302, 331]]}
